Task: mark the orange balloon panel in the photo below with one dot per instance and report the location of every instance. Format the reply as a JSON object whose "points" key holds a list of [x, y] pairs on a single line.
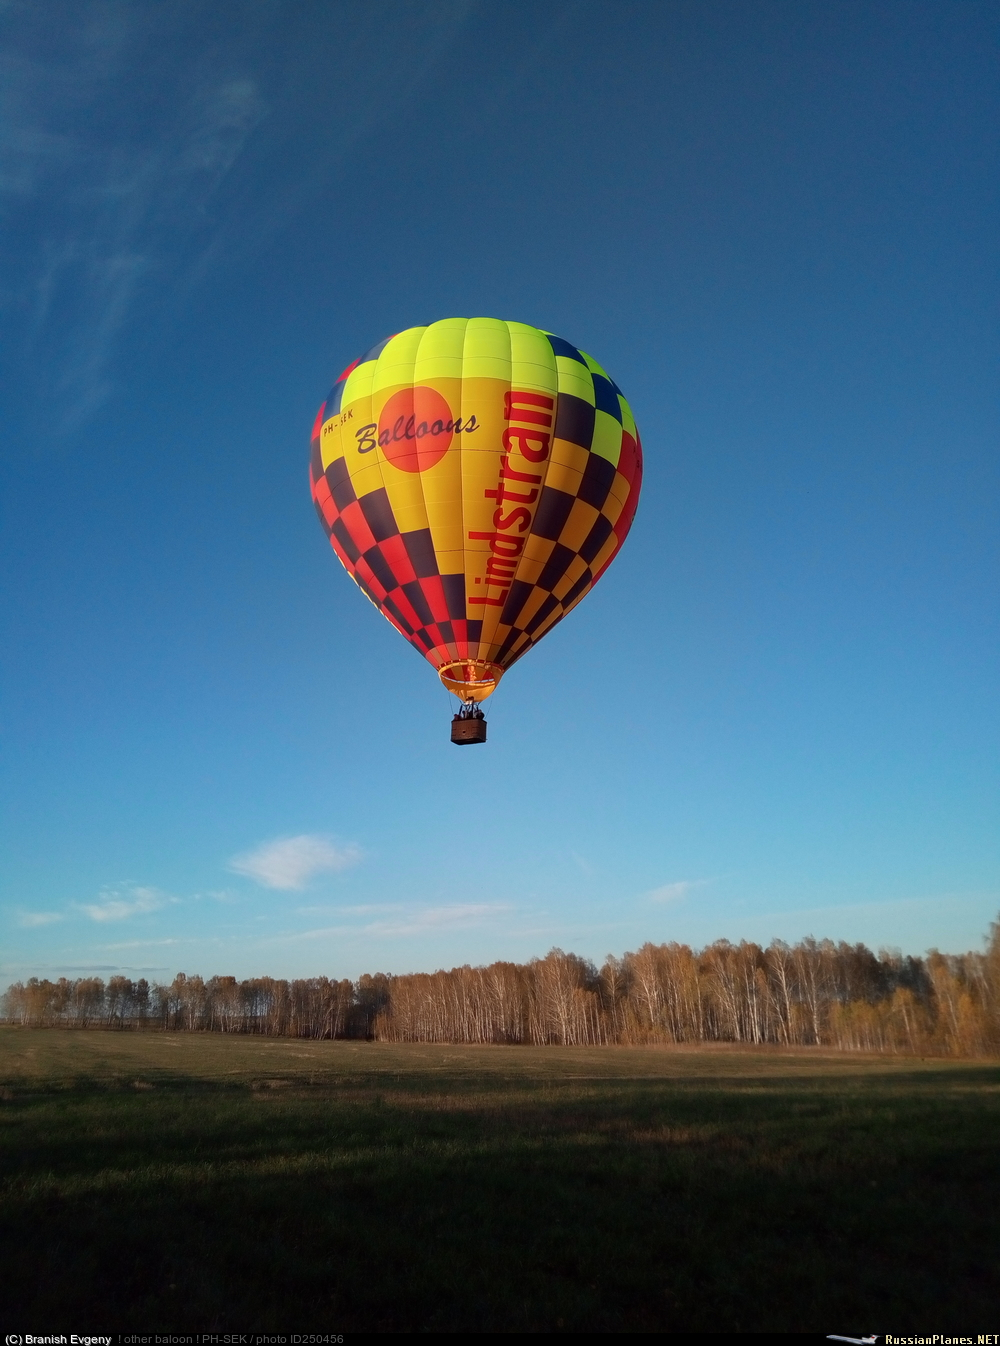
{"points": [[476, 478]]}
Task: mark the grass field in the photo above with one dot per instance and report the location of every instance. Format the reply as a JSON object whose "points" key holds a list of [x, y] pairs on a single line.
{"points": [[212, 1183]]}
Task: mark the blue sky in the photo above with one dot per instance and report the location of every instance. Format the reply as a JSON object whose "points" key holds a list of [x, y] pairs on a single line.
{"points": [[774, 224]]}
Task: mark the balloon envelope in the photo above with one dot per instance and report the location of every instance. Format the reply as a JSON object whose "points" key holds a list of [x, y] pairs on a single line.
{"points": [[476, 478]]}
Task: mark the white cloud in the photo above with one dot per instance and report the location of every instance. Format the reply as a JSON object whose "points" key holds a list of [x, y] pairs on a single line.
{"points": [[673, 892], [33, 918], [115, 905], [290, 862]]}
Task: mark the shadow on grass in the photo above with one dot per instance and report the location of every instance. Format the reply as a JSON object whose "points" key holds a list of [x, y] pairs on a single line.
{"points": [[423, 1203]]}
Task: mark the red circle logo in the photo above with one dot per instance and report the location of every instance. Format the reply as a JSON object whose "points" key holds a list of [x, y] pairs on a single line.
{"points": [[415, 429]]}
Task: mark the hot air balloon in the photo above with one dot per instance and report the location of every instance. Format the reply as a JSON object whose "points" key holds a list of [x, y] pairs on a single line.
{"points": [[476, 478]]}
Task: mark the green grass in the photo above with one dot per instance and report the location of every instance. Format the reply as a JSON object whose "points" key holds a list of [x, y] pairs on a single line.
{"points": [[209, 1183]]}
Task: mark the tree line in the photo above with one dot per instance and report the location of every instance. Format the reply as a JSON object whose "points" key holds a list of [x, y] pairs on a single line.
{"points": [[814, 993]]}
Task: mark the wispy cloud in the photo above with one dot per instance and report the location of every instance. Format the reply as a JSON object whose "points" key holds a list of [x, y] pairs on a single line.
{"points": [[363, 908], [673, 892], [289, 863], [145, 943], [220, 119], [338, 908], [63, 969], [127, 143], [455, 916], [407, 921], [34, 918], [92, 214], [119, 905]]}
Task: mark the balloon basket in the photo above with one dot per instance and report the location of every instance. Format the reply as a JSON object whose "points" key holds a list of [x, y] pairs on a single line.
{"points": [[468, 726]]}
